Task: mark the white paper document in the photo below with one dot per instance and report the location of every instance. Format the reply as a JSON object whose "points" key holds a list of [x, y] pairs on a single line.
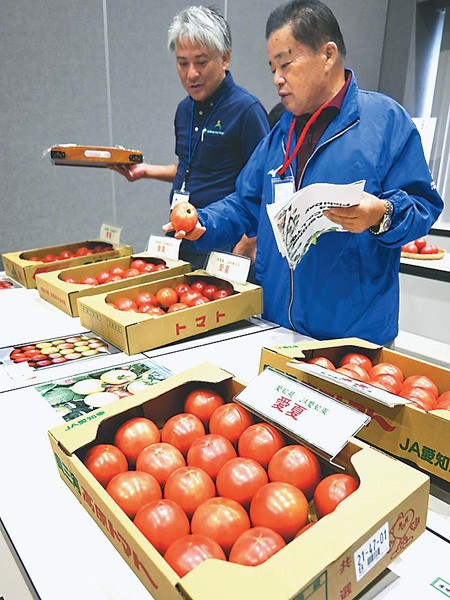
{"points": [[298, 221]]}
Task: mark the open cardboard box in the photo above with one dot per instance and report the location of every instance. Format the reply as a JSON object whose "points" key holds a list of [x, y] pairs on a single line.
{"points": [[54, 289], [324, 562], [133, 332], [19, 266], [402, 430]]}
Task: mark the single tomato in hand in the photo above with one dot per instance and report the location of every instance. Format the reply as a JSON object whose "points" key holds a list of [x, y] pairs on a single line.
{"points": [[183, 217]]}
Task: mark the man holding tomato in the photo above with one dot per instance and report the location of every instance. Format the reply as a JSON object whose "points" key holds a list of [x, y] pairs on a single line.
{"points": [[347, 284], [217, 125]]}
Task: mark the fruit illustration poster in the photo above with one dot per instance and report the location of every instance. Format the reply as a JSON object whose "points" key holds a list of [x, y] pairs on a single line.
{"points": [[75, 396]]}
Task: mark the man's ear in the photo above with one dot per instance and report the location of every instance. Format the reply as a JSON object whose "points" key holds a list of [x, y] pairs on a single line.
{"points": [[226, 60], [330, 53]]}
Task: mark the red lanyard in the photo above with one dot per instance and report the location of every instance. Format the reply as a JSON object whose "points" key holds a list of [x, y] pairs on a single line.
{"points": [[288, 159]]}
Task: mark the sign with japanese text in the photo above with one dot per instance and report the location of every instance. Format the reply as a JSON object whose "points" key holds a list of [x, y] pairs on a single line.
{"points": [[323, 422], [365, 389], [110, 234], [228, 266], [163, 247]]}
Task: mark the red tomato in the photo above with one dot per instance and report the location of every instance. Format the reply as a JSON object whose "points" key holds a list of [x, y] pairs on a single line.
{"points": [[181, 430], [421, 381], [443, 401], [131, 273], [160, 460], [410, 247], [281, 507], [132, 490], [331, 491], [386, 368], [176, 307], [105, 461], [89, 280], [189, 487], [148, 268], [230, 420], [260, 442], [240, 479], [420, 243], [255, 546], [296, 465], [304, 528], [103, 277], [70, 279], [65, 254], [146, 298], [160, 267], [134, 435], [162, 522], [209, 290], [83, 251], [422, 398], [355, 371], [166, 296], [117, 271], [429, 249], [389, 381], [210, 452], [183, 217], [202, 402], [49, 258], [181, 288], [322, 361], [199, 301], [149, 309], [125, 303], [138, 264], [358, 359], [221, 294], [115, 278], [189, 296], [221, 519], [189, 551], [198, 286]]}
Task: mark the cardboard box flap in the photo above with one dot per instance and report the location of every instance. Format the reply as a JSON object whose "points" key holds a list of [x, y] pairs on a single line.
{"points": [[70, 438], [321, 422], [296, 350]]}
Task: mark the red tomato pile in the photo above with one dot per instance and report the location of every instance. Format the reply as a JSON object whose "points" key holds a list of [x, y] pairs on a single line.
{"points": [[420, 389], [65, 254], [5, 284], [169, 300], [117, 273], [420, 246], [213, 483]]}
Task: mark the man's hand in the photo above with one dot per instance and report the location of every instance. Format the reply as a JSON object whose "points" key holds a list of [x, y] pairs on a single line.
{"points": [[193, 235], [357, 219], [132, 172]]}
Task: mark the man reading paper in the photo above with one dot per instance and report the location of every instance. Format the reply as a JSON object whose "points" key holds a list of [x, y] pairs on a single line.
{"points": [[347, 283]]}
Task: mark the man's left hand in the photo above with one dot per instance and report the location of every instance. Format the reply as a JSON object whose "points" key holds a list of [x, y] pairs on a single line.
{"points": [[356, 219]]}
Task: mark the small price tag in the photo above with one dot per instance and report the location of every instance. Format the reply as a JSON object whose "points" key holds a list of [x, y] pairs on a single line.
{"points": [[371, 551], [228, 266], [163, 247], [110, 234], [322, 421]]}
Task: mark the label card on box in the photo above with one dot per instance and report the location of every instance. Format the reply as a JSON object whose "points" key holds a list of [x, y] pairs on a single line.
{"points": [[323, 422], [163, 247], [365, 389], [228, 266], [371, 551], [110, 234]]}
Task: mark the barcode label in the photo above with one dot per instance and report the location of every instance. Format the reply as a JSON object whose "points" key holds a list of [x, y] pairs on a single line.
{"points": [[371, 551]]}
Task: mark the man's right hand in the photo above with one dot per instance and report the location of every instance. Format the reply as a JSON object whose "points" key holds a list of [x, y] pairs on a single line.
{"points": [[146, 171], [132, 172], [193, 235]]}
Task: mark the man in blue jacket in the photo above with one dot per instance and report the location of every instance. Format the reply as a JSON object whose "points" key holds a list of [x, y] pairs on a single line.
{"points": [[348, 283]]}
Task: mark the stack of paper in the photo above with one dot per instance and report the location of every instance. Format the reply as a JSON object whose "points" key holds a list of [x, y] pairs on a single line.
{"points": [[298, 221]]}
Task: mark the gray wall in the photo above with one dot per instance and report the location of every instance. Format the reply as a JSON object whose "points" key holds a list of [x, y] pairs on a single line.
{"points": [[57, 86]]}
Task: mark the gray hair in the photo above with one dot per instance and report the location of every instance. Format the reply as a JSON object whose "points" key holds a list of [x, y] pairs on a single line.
{"points": [[200, 25]]}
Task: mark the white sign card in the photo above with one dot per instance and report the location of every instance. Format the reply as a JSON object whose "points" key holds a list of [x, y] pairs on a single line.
{"points": [[231, 267], [365, 389], [323, 422], [163, 247], [110, 234]]}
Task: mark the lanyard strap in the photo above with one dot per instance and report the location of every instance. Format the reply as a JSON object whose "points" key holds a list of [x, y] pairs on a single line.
{"points": [[288, 159], [192, 151]]}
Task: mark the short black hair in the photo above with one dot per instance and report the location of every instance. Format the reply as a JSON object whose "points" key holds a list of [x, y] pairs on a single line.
{"points": [[311, 21]]}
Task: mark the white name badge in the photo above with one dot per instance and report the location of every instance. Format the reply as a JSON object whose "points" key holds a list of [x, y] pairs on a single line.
{"points": [[178, 197], [228, 266], [163, 247], [110, 233], [282, 189]]}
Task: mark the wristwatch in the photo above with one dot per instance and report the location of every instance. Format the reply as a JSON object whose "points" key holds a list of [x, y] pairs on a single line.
{"points": [[386, 221]]}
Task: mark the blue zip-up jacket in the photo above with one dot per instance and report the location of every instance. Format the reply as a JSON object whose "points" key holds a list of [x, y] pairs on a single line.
{"points": [[347, 284]]}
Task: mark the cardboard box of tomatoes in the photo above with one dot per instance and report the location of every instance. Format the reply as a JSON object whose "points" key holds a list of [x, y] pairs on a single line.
{"points": [[342, 547], [133, 330], [398, 426], [63, 288], [23, 266]]}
